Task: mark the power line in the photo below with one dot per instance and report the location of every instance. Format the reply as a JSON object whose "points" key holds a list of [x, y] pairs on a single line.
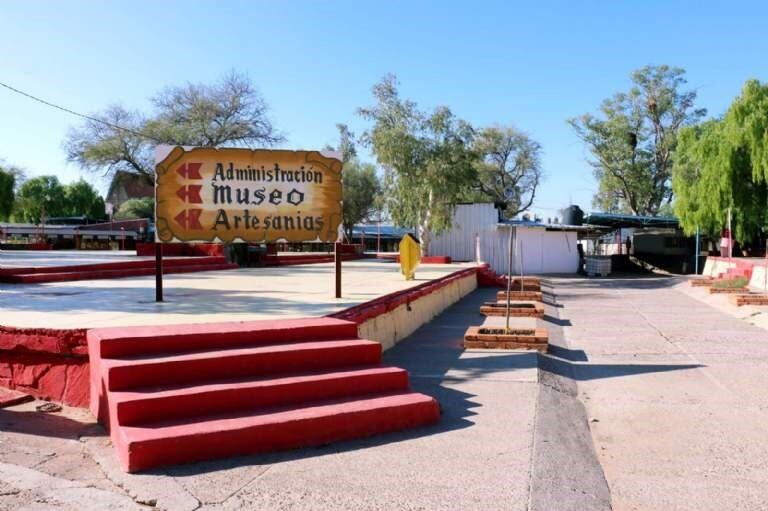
{"points": [[72, 112]]}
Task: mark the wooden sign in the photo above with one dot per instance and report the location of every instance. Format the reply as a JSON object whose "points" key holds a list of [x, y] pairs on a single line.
{"points": [[208, 195], [410, 256]]}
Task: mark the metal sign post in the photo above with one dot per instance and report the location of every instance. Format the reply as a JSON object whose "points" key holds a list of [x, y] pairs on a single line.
{"points": [[509, 280], [158, 271], [522, 276], [337, 268], [698, 251]]}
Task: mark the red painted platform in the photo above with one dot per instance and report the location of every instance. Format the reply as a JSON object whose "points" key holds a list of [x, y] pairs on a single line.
{"points": [[36, 275], [176, 394], [46, 363]]}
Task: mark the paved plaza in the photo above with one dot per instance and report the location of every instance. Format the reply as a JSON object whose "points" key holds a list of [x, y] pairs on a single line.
{"points": [[477, 456], [649, 398], [231, 295], [675, 390]]}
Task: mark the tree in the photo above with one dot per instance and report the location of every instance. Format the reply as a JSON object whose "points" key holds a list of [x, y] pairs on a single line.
{"points": [[38, 198], [136, 208], [361, 188], [83, 200], [230, 112], [508, 168], [361, 185], [10, 178], [7, 195], [633, 141], [346, 145], [428, 160], [721, 165]]}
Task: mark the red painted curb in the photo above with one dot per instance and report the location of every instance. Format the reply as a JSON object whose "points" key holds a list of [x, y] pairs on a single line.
{"points": [[382, 305]]}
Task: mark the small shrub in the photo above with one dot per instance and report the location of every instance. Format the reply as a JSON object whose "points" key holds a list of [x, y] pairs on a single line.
{"points": [[731, 283]]}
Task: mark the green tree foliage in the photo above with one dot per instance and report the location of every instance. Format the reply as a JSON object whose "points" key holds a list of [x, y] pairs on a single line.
{"points": [[347, 146], [7, 193], [634, 137], [136, 208], [83, 200], [361, 186], [722, 164], [508, 169], [361, 189], [427, 159], [229, 112], [39, 197]]}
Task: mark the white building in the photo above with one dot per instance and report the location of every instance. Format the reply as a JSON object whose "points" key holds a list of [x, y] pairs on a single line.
{"points": [[540, 248]]}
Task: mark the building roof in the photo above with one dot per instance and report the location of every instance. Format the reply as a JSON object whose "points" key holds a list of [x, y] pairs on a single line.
{"points": [[616, 220], [542, 225], [386, 231]]}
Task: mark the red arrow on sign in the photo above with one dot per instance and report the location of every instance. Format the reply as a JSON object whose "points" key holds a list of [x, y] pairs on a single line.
{"points": [[189, 219], [190, 170], [190, 193]]}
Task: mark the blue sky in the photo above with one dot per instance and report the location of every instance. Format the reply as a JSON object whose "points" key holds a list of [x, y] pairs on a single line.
{"points": [[531, 64]]}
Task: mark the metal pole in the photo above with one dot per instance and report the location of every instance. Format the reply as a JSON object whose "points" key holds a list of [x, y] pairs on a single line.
{"points": [[522, 277], [337, 268], [509, 280], [698, 251], [730, 236], [158, 271]]}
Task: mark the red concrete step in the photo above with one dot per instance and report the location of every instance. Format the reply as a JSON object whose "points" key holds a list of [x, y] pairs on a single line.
{"points": [[259, 430], [158, 339], [178, 393], [164, 403], [148, 370]]}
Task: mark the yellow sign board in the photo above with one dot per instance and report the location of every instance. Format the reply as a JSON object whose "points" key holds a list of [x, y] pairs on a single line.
{"points": [[209, 194], [410, 256]]}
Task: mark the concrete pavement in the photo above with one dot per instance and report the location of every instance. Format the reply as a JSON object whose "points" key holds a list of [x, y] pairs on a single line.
{"points": [[675, 392], [478, 457], [230, 295]]}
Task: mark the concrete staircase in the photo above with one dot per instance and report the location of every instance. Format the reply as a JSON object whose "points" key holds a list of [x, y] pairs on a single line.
{"points": [[37, 275], [177, 394]]}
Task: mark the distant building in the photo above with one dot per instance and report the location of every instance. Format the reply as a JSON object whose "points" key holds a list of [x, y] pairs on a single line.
{"points": [[539, 248], [128, 185]]}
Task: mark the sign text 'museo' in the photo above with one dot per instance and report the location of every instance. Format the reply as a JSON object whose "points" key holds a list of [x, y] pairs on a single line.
{"points": [[207, 194]]}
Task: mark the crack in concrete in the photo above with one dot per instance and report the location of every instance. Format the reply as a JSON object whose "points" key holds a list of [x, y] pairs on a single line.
{"points": [[120, 486], [244, 486]]}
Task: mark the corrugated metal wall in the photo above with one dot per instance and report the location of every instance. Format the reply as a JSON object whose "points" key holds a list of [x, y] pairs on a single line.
{"points": [[468, 220]]}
